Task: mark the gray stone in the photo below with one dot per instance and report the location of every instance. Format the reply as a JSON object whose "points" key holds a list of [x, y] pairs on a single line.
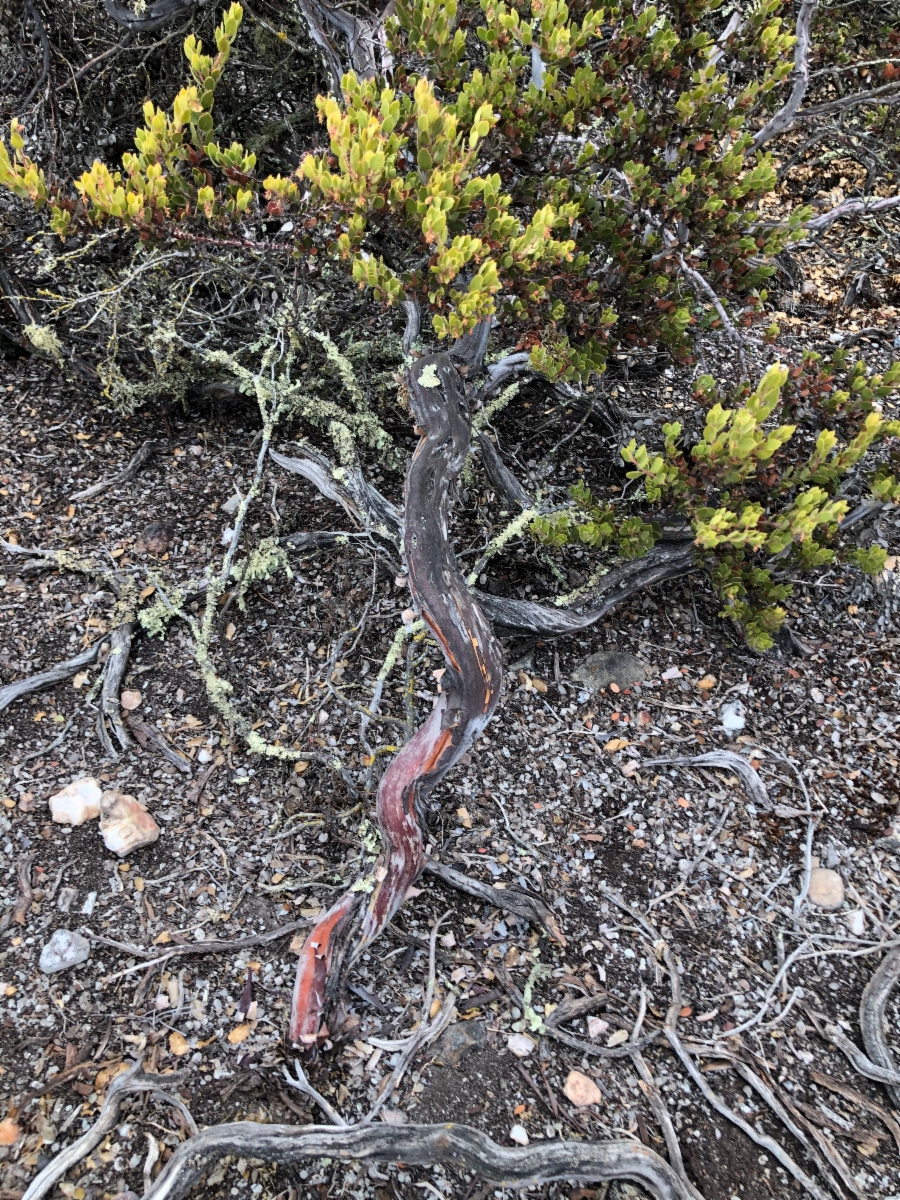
{"points": [[460, 1039], [610, 666], [65, 949]]}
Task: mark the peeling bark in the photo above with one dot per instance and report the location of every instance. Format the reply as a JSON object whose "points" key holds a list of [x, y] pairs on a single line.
{"points": [[472, 688]]}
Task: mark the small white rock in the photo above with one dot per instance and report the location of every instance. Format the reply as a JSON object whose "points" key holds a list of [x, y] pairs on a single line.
{"points": [[65, 949], [77, 803], [125, 824], [733, 716], [818, 697], [204, 756], [826, 888], [520, 1044], [596, 1026], [856, 922], [518, 1135]]}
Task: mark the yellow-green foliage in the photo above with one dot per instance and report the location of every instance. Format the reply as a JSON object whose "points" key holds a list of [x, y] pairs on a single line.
{"points": [[631, 132], [751, 499]]}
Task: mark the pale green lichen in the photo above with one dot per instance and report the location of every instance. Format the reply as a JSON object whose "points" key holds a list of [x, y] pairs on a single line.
{"points": [[263, 562], [429, 377], [577, 593], [483, 417], [44, 339], [155, 617], [513, 529], [533, 1020], [396, 648]]}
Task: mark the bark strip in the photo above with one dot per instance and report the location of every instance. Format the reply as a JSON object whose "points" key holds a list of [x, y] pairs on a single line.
{"points": [[472, 688]]}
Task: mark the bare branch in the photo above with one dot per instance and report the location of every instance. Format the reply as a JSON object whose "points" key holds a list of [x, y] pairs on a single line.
{"points": [[858, 206], [786, 115]]}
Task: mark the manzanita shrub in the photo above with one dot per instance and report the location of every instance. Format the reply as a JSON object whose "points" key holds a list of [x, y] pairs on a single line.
{"points": [[568, 172], [522, 161]]}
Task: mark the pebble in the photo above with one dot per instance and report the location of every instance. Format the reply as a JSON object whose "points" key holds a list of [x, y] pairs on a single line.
{"points": [[599, 670], [460, 1039], [518, 1135], [582, 1090], [826, 888], [520, 1044], [77, 803], [64, 950], [125, 824]]}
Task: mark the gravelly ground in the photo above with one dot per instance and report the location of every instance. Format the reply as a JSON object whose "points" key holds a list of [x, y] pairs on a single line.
{"points": [[554, 798]]}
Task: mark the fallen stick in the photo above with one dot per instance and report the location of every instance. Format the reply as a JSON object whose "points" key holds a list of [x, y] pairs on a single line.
{"points": [[149, 733], [520, 904], [419, 1145], [144, 452], [45, 679]]}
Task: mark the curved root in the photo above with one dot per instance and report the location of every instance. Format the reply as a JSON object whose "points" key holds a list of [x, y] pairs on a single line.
{"points": [[420, 1145], [872, 1017]]}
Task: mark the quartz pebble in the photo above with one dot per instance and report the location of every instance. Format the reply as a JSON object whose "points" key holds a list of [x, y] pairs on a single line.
{"points": [[64, 950], [518, 1135], [77, 803], [125, 824], [826, 888], [520, 1044]]}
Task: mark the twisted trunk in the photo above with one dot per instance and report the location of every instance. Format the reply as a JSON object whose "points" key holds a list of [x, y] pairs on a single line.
{"points": [[471, 689]]}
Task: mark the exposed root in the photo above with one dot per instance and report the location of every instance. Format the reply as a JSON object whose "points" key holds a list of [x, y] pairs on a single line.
{"points": [[849, 1093], [132, 1080], [45, 679], [529, 908], [727, 761], [761, 1139], [873, 1017], [143, 454], [667, 560], [109, 708], [420, 1145], [860, 1062]]}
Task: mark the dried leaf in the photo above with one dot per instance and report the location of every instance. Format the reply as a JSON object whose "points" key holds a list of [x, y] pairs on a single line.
{"points": [[178, 1043], [614, 745], [239, 1034], [620, 1036], [706, 683]]}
